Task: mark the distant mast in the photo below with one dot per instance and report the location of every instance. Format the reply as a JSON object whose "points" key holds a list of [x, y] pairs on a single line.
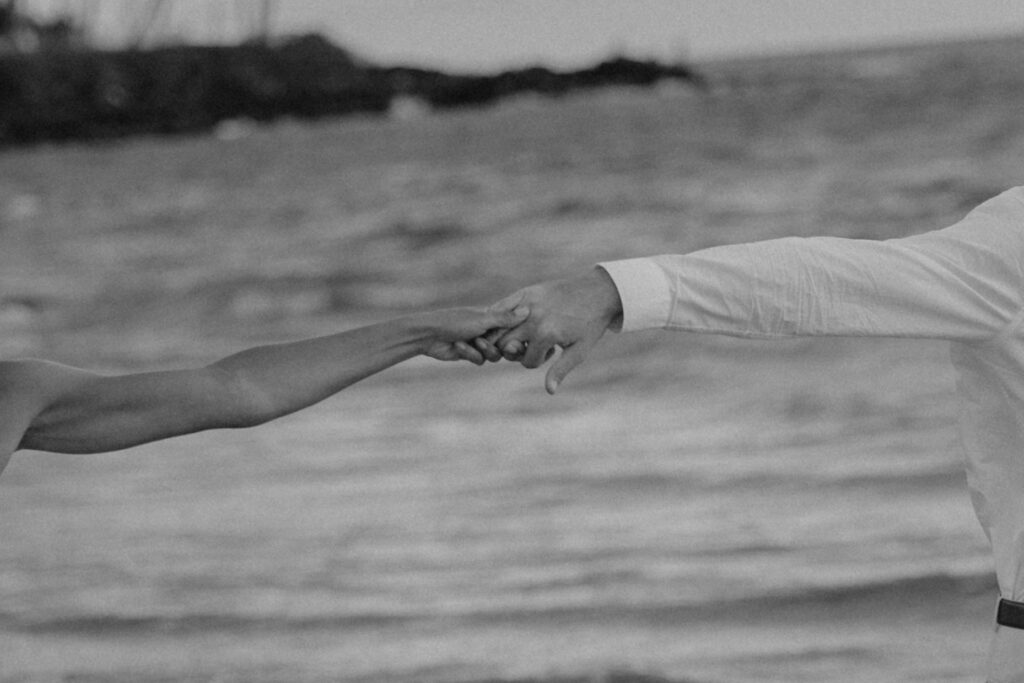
{"points": [[145, 23], [210, 21], [267, 8]]}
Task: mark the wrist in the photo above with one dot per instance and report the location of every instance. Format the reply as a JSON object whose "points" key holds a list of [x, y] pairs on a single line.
{"points": [[606, 294], [418, 331]]}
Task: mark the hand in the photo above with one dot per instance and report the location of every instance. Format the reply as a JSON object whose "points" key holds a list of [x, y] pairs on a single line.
{"points": [[572, 314], [452, 329]]}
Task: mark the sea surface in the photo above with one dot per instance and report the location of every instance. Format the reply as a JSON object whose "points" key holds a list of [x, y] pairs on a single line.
{"points": [[687, 509]]}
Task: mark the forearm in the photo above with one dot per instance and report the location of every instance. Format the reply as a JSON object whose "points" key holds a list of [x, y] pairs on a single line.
{"points": [[75, 411], [917, 287], [279, 379], [961, 283], [832, 286], [83, 412]]}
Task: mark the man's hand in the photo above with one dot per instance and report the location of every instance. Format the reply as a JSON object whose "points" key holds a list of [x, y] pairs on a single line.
{"points": [[572, 314], [452, 330]]}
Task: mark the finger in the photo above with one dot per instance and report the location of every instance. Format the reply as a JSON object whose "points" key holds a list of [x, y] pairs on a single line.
{"points": [[509, 302], [494, 335], [467, 352], [514, 342], [513, 350], [506, 318], [520, 333], [508, 312], [571, 357], [487, 349]]}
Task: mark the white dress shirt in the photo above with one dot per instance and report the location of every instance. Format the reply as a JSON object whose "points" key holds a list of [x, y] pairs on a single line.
{"points": [[964, 284]]}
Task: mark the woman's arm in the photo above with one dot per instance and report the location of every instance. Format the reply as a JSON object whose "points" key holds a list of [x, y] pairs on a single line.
{"points": [[68, 410]]}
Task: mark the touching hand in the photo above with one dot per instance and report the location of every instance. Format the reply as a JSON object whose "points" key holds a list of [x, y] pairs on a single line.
{"points": [[452, 330], [572, 314]]}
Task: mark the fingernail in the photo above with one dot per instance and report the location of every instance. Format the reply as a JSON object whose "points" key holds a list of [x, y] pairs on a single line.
{"points": [[520, 311]]}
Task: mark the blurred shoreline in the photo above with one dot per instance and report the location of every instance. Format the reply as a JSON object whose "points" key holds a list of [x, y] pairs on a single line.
{"points": [[61, 93]]}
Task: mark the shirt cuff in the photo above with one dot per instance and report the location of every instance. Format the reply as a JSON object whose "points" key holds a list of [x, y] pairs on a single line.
{"points": [[644, 291]]}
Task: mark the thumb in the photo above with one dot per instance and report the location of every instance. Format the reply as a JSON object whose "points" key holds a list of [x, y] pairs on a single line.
{"points": [[508, 312], [508, 303], [508, 318], [566, 363]]}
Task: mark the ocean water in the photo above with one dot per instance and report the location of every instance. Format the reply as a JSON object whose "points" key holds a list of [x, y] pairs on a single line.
{"points": [[687, 509], [724, 522]]}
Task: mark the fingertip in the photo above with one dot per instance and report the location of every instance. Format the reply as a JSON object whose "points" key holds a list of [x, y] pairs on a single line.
{"points": [[488, 350], [552, 381], [508, 318], [508, 305], [512, 350], [469, 353]]}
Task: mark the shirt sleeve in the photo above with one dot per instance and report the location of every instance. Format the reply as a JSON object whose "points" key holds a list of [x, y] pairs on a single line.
{"points": [[962, 283]]}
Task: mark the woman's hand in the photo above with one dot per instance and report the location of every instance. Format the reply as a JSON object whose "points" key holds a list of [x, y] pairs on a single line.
{"points": [[454, 332]]}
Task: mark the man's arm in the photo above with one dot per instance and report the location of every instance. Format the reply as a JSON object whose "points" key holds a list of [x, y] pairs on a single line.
{"points": [[62, 409], [963, 283]]}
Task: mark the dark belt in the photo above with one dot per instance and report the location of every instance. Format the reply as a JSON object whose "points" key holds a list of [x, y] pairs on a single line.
{"points": [[1010, 613]]}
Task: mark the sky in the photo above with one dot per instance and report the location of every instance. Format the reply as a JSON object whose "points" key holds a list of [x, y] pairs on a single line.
{"points": [[491, 34], [494, 33]]}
